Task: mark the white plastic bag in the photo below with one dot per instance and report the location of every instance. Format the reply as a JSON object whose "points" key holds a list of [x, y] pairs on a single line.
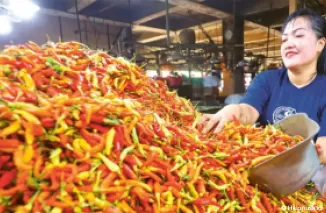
{"points": [[320, 180]]}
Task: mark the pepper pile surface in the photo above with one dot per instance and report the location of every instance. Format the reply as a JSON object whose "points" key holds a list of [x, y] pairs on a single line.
{"points": [[81, 131]]}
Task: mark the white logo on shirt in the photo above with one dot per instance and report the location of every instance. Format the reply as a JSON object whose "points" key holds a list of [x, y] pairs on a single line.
{"points": [[283, 112]]}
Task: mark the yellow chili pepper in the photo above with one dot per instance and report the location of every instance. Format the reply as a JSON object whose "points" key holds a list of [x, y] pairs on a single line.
{"points": [[260, 159], [130, 182], [109, 141], [29, 137], [95, 81], [11, 129], [56, 210], [169, 198], [111, 165], [75, 114], [192, 190], [223, 187], [185, 209], [84, 145], [125, 207], [83, 175], [134, 81], [28, 80], [121, 85], [27, 116], [28, 153], [219, 174], [115, 82], [197, 173]]}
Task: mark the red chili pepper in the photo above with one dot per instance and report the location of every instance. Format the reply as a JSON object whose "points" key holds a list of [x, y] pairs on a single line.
{"points": [[52, 91], [152, 175], [128, 172], [2, 209], [285, 200], [7, 178], [142, 129], [230, 193], [236, 120], [240, 196], [10, 143], [64, 139], [99, 128], [157, 130], [12, 90], [12, 191], [98, 119], [266, 202], [118, 143], [200, 186], [27, 196], [30, 96], [100, 69], [233, 158], [141, 193], [91, 138], [37, 130], [49, 72], [205, 202], [48, 122], [174, 184], [131, 160], [4, 158], [109, 180], [38, 79], [7, 96], [111, 209], [261, 207]]}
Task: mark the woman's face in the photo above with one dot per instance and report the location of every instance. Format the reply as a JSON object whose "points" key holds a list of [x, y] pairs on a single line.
{"points": [[300, 45]]}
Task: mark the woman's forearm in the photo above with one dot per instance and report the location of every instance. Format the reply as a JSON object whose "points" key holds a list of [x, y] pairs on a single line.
{"points": [[247, 114]]}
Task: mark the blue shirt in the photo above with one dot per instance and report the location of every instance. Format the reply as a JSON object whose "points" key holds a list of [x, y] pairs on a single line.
{"points": [[210, 81], [234, 99], [275, 98]]}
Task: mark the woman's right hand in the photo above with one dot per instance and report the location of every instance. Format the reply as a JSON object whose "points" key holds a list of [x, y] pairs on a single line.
{"points": [[215, 122]]}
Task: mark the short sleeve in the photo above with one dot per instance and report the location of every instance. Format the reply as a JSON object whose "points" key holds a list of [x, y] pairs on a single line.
{"points": [[258, 91]]}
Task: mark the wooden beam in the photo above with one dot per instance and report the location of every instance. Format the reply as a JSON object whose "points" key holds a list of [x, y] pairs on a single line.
{"points": [[255, 25], [277, 40], [208, 11], [157, 15], [154, 38], [51, 12], [200, 8], [247, 33], [82, 4], [292, 6], [99, 20], [161, 13], [137, 28], [206, 26], [262, 48]]}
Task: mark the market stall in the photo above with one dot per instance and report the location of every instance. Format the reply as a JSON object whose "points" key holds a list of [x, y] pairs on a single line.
{"points": [[101, 102], [82, 131]]}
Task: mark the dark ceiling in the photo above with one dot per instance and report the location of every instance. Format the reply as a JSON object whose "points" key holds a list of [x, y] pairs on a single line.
{"points": [[266, 12], [120, 10]]}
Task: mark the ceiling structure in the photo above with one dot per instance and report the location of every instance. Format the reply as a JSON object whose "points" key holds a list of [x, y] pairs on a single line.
{"points": [[263, 18]]}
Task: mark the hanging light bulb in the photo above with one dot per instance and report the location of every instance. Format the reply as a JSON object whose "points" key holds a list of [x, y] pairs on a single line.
{"points": [[23, 9], [5, 24]]}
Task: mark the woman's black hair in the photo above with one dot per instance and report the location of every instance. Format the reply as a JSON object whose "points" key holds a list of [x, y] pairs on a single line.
{"points": [[318, 25]]}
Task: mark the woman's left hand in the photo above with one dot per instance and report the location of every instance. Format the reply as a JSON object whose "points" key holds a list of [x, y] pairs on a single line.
{"points": [[321, 149]]}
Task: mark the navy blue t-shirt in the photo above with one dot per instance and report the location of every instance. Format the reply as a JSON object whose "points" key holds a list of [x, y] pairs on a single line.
{"points": [[275, 98]]}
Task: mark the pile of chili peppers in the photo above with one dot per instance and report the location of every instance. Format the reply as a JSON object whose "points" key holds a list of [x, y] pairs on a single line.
{"points": [[81, 131]]}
